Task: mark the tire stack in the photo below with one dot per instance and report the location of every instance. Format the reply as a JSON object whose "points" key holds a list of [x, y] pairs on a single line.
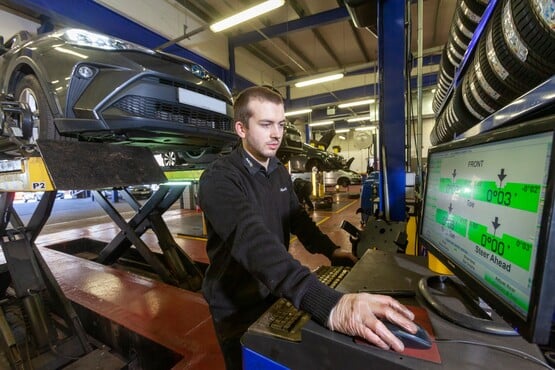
{"points": [[515, 54], [465, 20]]}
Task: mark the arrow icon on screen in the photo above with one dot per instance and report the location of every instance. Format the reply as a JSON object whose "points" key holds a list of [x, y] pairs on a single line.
{"points": [[495, 224], [501, 176]]}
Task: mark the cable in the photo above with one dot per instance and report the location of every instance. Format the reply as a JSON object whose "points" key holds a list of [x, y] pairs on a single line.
{"points": [[512, 351]]}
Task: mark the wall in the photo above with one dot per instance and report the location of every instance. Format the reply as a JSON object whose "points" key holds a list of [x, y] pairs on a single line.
{"points": [[11, 24]]}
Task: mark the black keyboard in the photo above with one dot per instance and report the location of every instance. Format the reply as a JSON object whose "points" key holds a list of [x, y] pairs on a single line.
{"points": [[283, 320]]}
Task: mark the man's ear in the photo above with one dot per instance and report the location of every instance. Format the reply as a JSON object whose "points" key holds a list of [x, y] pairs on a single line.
{"points": [[240, 129]]}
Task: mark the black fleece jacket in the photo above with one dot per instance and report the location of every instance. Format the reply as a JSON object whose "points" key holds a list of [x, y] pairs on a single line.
{"points": [[250, 213]]}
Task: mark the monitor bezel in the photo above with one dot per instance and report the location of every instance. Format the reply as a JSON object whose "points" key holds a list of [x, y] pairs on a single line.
{"points": [[536, 326]]}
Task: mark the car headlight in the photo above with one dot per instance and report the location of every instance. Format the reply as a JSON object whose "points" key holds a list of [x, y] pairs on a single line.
{"points": [[89, 39]]}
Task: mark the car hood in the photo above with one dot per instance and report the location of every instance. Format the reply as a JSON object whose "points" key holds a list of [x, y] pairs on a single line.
{"points": [[349, 162], [326, 139]]}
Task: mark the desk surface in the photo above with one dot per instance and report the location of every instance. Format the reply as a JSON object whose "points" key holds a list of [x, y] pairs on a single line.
{"points": [[378, 270]]}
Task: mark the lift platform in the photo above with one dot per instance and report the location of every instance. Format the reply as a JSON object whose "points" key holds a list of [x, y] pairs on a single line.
{"points": [[39, 327]]}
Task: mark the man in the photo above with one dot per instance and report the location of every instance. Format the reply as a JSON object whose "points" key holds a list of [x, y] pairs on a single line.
{"points": [[250, 210]]}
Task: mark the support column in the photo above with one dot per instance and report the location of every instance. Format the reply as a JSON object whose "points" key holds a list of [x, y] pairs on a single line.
{"points": [[391, 66]]}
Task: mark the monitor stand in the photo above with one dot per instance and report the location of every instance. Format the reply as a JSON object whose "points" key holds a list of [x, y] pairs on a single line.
{"points": [[444, 284]]}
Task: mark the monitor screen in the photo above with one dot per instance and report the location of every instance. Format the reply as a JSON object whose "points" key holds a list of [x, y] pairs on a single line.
{"points": [[487, 215]]}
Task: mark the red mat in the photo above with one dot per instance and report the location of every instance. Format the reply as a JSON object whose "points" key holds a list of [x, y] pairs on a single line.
{"points": [[421, 318]]}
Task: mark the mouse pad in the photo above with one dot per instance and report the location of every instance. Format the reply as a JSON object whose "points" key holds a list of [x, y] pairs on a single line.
{"points": [[420, 317]]}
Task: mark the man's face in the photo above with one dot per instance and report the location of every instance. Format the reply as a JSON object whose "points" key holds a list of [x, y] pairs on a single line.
{"points": [[263, 135]]}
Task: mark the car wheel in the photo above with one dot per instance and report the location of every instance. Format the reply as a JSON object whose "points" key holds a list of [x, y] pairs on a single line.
{"points": [[28, 91], [169, 159], [344, 182]]}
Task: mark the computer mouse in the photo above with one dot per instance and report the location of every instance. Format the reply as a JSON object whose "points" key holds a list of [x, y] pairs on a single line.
{"points": [[420, 340]]}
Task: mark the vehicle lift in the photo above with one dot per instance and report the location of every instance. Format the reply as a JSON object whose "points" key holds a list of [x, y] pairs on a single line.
{"points": [[39, 328]]}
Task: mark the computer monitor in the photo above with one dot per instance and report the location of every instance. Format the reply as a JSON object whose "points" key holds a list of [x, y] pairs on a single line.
{"points": [[487, 214]]}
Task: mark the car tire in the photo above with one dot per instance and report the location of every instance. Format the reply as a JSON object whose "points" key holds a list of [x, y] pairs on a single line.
{"points": [[343, 182], [28, 91]]}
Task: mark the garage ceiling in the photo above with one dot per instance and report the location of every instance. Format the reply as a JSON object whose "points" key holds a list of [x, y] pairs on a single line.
{"points": [[329, 40]]}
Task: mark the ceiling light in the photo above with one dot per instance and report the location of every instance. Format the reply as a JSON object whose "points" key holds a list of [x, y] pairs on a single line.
{"points": [[247, 14], [321, 123], [297, 112], [358, 119], [318, 80], [356, 103], [341, 137], [365, 128], [342, 130]]}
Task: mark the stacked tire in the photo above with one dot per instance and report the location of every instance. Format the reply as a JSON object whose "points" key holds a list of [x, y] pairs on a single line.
{"points": [[465, 20], [515, 54]]}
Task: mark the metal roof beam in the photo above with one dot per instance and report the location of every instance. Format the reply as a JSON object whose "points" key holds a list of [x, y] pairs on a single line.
{"points": [[309, 22]]}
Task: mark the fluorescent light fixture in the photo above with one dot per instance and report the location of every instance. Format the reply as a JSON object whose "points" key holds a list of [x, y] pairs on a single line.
{"points": [[356, 103], [365, 128], [246, 15], [341, 137], [297, 112], [318, 80], [358, 119], [342, 130], [321, 123]]}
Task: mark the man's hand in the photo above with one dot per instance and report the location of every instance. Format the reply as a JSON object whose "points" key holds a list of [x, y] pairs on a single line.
{"points": [[360, 314], [341, 258]]}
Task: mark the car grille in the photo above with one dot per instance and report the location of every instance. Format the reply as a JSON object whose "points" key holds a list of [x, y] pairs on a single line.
{"points": [[152, 108], [195, 88]]}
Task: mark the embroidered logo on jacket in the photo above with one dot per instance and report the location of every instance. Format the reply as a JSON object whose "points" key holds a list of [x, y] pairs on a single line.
{"points": [[283, 189]]}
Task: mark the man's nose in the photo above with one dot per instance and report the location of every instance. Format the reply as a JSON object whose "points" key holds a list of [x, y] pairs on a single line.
{"points": [[277, 131]]}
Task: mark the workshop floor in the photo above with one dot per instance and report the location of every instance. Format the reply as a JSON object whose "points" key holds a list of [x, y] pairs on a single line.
{"points": [[164, 315]]}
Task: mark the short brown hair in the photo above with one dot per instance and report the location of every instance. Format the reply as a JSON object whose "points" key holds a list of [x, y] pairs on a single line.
{"points": [[241, 109]]}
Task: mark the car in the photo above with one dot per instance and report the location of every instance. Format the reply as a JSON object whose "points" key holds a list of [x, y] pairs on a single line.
{"points": [[291, 144], [27, 196], [81, 85], [314, 157], [140, 191], [342, 177]]}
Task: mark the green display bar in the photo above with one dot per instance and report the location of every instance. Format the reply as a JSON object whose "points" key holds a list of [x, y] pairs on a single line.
{"points": [[456, 223], [514, 250], [507, 293], [460, 186], [525, 197]]}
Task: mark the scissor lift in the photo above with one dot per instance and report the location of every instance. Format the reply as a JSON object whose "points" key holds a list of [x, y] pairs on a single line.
{"points": [[39, 328], [173, 266]]}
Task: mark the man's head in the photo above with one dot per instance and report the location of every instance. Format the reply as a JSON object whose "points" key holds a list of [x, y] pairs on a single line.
{"points": [[242, 112], [259, 122]]}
